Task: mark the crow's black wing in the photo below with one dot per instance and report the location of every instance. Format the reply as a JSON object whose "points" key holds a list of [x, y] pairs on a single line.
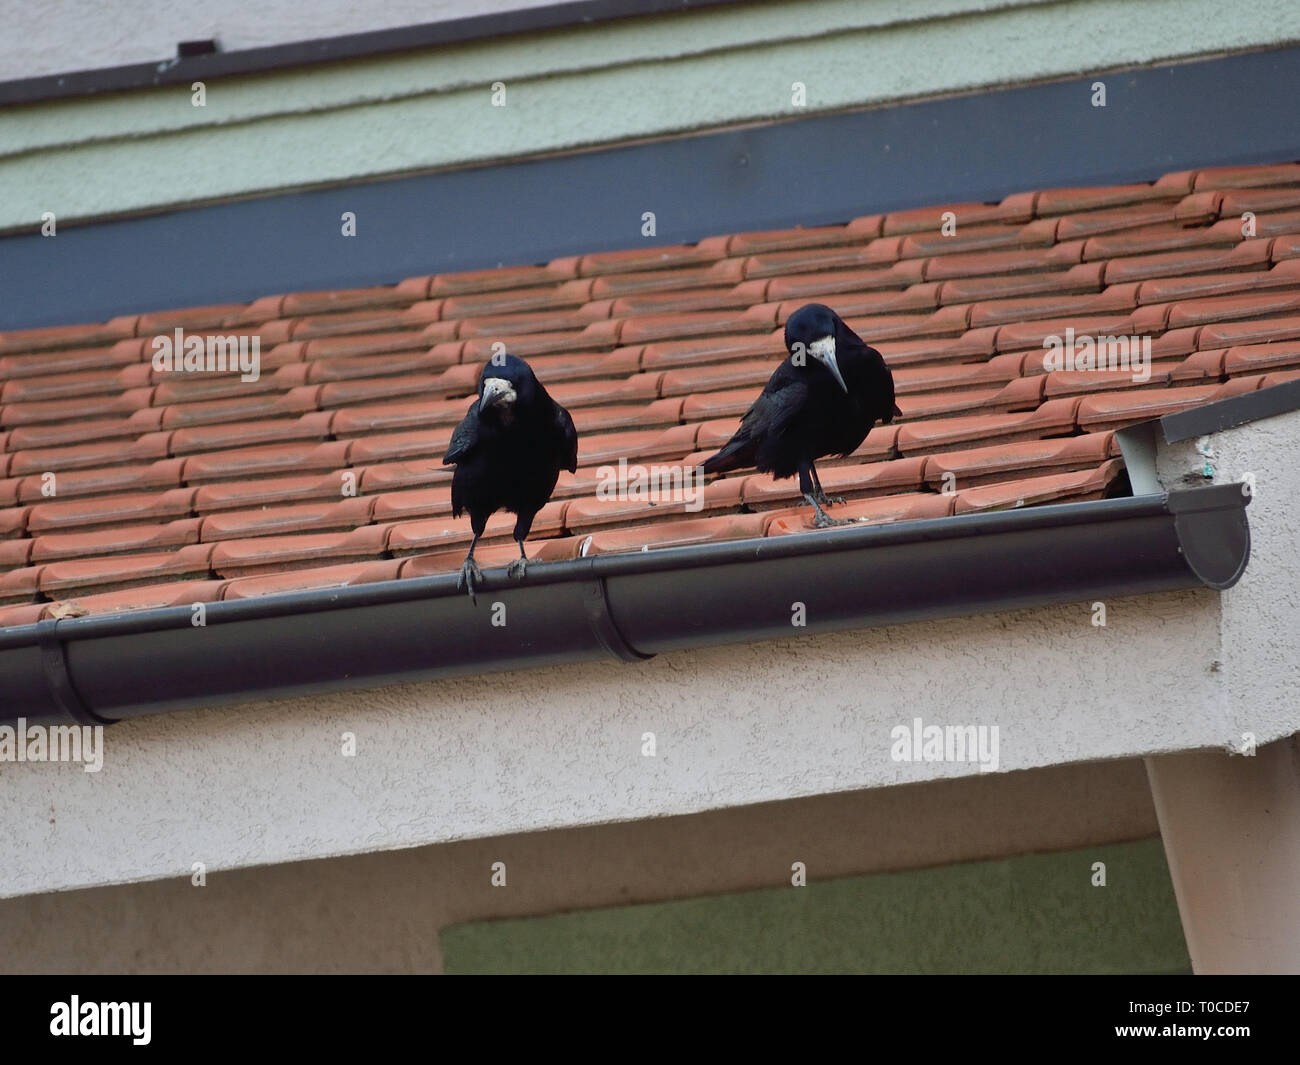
{"points": [[569, 434], [770, 416], [765, 423], [464, 438]]}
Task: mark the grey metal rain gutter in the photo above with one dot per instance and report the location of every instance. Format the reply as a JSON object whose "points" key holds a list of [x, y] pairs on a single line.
{"points": [[630, 606]]}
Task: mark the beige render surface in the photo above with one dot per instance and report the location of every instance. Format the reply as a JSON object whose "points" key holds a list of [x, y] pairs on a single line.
{"points": [[382, 912], [519, 752], [600, 84]]}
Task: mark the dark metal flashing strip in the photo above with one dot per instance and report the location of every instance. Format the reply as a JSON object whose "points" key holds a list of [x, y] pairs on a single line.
{"points": [[206, 67], [1233, 411], [973, 147], [1139, 445], [625, 606]]}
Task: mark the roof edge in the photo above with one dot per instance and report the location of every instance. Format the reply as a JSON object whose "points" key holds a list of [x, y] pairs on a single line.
{"points": [[181, 70], [1231, 412], [97, 670]]}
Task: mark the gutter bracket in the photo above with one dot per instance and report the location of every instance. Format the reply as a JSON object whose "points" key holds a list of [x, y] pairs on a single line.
{"points": [[595, 604], [1137, 443], [54, 664]]}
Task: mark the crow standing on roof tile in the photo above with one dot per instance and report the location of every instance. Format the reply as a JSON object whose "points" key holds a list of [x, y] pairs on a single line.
{"points": [[822, 400], [508, 451]]}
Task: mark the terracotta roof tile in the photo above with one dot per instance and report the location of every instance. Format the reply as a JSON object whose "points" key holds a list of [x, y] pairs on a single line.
{"points": [[418, 537], [1233, 308], [1054, 488], [905, 507], [1163, 290], [342, 576], [1154, 239], [150, 596], [341, 515], [72, 360], [273, 554], [1246, 177], [63, 580], [267, 460], [1260, 358], [130, 539], [932, 219], [1284, 247], [851, 482], [123, 487], [1017, 261], [743, 244], [680, 533], [165, 473], [1115, 410], [1071, 201], [1037, 234], [981, 465], [653, 258], [67, 336], [112, 510], [670, 491], [491, 556], [1188, 262], [20, 585]]}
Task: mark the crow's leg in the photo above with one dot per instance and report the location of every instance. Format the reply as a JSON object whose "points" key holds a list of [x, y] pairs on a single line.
{"points": [[818, 494], [806, 481], [519, 567], [470, 575]]}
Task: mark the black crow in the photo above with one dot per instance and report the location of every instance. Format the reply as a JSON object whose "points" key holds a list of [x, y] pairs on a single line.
{"points": [[822, 400], [508, 451]]}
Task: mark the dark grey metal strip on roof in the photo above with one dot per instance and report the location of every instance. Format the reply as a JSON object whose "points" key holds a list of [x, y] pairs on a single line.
{"points": [[153, 661], [210, 65], [975, 147], [1235, 410]]}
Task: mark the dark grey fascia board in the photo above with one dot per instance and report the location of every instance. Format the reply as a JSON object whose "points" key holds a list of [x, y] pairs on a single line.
{"points": [[209, 66], [810, 170], [97, 670], [1140, 443], [1230, 412]]}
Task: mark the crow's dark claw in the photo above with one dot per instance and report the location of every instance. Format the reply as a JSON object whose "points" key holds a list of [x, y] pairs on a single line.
{"points": [[470, 577], [822, 520], [517, 569], [828, 501]]}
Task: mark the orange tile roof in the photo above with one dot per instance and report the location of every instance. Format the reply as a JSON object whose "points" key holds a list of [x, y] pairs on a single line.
{"points": [[170, 488]]}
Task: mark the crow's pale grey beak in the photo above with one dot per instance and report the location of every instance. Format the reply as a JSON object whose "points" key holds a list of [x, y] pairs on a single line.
{"points": [[496, 390], [823, 351]]}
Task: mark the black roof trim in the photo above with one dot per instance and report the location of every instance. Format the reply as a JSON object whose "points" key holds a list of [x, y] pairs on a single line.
{"points": [[1235, 410], [630, 606], [186, 68], [971, 147]]}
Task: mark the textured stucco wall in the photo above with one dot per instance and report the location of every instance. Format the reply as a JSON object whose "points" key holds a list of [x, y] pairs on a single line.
{"points": [[599, 84], [531, 750], [1037, 913], [382, 912], [1260, 616], [58, 36]]}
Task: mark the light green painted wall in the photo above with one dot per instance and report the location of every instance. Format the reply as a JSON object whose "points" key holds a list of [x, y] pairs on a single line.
{"points": [[1032, 914], [122, 153]]}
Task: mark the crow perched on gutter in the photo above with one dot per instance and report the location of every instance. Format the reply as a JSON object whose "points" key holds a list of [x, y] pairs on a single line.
{"points": [[822, 400], [508, 451]]}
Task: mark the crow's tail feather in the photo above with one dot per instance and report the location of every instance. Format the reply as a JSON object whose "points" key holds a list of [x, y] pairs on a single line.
{"points": [[735, 455]]}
